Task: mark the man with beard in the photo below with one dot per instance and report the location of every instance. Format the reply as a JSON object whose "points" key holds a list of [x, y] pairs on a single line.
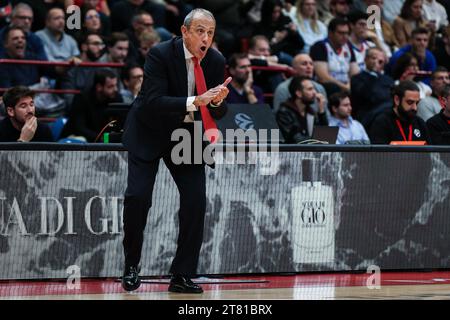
{"points": [[296, 118], [242, 89], [81, 78], [351, 131], [88, 113], [59, 46], [21, 124], [303, 65], [400, 123]]}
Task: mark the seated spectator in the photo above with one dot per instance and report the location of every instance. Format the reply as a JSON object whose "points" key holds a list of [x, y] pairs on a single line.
{"points": [[242, 89], [407, 68], [431, 105], [296, 118], [334, 59], [22, 17], [105, 20], [435, 13], [419, 42], [260, 55], [401, 122], [303, 67], [350, 130], [21, 123], [116, 48], [371, 89], [93, 23], [410, 18], [285, 42], [88, 116], [147, 40], [58, 45], [337, 9], [116, 52], [309, 26], [261, 52], [82, 78], [132, 78], [142, 22], [15, 43], [361, 38], [123, 11], [439, 124]]}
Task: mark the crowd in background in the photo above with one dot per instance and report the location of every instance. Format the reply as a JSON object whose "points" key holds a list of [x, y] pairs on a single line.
{"points": [[333, 64]]}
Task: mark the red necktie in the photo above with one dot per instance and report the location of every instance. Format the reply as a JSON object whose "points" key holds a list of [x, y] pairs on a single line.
{"points": [[208, 122]]}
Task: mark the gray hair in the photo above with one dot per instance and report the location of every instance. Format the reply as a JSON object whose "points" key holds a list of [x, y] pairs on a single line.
{"points": [[199, 11], [19, 6]]}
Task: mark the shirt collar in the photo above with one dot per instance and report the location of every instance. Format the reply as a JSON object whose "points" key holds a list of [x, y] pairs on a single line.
{"points": [[51, 36], [373, 73], [340, 122], [187, 54]]}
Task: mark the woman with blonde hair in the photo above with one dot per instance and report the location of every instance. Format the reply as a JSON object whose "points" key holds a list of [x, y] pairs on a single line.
{"points": [[306, 17]]}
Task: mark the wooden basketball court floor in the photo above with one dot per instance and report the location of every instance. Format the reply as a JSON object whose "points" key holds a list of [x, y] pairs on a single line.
{"points": [[340, 286]]}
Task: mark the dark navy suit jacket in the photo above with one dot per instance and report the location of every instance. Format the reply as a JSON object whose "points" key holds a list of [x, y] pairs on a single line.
{"points": [[160, 106]]}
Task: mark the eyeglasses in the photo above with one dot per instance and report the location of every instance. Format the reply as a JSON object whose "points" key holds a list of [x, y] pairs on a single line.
{"points": [[90, 17]]}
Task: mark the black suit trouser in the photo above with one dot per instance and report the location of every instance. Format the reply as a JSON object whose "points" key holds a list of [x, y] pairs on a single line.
{"points": [[190, 181]]}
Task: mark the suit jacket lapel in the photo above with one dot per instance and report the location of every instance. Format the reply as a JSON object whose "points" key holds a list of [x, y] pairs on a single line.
{"points": [[180, 66]]}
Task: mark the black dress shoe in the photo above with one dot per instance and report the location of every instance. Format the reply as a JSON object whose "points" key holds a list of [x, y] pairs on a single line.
{"points": [[182, 284], [130, 279]]}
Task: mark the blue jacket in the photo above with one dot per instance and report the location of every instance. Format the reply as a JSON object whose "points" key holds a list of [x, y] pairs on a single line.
{"points": [[428, 65]]}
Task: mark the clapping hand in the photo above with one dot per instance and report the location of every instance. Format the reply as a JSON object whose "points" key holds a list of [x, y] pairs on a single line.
{"points": [[214, 95]]}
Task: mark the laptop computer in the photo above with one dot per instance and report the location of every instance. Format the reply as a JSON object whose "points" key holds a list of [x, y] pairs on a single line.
{"points": [[255, 120], [118, 111], [326, 134]]}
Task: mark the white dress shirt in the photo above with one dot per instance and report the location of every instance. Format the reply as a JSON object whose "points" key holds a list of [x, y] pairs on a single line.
{"points": [[435, 11], [190, 107]]}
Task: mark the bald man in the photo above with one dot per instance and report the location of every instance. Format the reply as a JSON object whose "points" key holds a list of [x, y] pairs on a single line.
{"points": [[303, 66]]}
